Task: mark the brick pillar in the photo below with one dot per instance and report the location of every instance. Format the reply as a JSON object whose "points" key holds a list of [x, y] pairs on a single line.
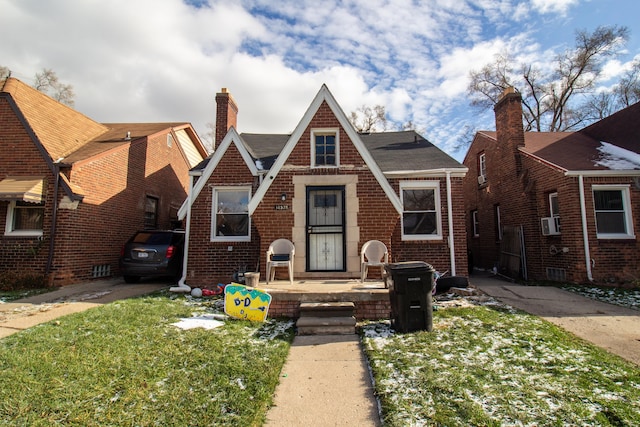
{"points": [[226, 114]]}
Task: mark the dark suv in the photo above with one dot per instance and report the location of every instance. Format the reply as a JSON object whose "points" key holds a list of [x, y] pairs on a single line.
{"points": [[152, 253]]}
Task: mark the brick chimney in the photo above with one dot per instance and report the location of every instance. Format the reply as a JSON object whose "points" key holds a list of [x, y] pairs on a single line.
{"points": [[508, 112], [226, 114]]}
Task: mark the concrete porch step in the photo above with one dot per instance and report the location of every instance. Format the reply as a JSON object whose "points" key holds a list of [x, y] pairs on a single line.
{"points": [[326, 309], [326, 318], [326, 325]]}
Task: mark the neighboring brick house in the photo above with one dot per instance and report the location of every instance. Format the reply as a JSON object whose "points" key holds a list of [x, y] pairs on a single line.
{"points": [[73, 190], [559, 206], [326, 188]]}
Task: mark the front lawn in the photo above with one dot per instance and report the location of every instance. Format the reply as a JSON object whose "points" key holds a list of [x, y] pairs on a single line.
{"points": [[494, 366], [125, 363]]}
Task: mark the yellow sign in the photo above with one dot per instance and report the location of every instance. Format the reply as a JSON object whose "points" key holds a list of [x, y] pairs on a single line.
{"points": [[246, 303]]}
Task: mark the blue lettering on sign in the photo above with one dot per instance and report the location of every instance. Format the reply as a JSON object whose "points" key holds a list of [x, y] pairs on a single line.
{"points": [[236, 301], [247, 302]]}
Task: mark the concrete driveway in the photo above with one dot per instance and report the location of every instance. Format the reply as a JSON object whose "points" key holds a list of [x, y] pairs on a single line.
{"points": [[614, 328], [27, 312]]}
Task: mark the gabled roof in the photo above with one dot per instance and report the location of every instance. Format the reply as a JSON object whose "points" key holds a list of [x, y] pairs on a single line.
{"points": [[65, 133], [405, 151], [590, 149], [393, 154], [208, 165], [114, 136], [324, 95], [61, 129]]}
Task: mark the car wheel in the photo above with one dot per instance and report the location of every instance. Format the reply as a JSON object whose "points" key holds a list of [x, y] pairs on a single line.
{"points": [[131, 279]]}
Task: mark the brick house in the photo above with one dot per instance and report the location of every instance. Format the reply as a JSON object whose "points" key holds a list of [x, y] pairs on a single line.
{"points": [[559, 206], [326, 188], [73, 190]]}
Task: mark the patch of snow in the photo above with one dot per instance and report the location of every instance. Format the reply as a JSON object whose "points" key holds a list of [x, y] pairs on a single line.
{"points": [[617, 158], [206, 322]]}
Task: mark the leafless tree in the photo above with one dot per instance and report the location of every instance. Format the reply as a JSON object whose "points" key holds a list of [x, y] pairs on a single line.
{"points": [[366, 119], [4, 72], [47, 82], [627, 91], [550, 98]]}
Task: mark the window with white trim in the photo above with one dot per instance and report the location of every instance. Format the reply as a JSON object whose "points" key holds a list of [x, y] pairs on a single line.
{"points": [[325, 148], [553, 205], [475, 224], [554, 210], [24, 219], [482, 165], [421, 210], [230, 221], [612, 206]]}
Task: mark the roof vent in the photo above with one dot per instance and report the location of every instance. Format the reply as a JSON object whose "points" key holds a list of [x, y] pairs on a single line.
{"points": [[128, 137]]}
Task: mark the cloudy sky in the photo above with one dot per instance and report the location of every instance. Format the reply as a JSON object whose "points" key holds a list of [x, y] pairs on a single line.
{"points": [[164, 60]]}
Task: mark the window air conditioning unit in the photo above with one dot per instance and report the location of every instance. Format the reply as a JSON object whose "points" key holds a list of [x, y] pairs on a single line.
{"points": [[482, 179], [550, 226]]}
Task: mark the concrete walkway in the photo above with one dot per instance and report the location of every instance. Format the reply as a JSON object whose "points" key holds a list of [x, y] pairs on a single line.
{"points": [[28, 312], [325, 382]]}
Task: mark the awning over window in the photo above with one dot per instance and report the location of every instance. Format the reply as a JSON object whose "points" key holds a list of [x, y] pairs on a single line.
{"points": [[22, 188]]}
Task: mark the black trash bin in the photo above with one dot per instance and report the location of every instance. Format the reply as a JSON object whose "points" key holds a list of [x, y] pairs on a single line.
{"points": [[410, 285]]}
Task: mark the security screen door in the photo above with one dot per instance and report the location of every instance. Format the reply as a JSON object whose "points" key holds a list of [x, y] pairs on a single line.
{"points": [[325, 229]]}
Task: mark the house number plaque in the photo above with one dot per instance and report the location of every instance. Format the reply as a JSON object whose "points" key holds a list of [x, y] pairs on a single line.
{"points": [[281, 207]]}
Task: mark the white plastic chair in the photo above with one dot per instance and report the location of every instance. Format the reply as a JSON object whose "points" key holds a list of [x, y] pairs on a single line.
{"points": [[280, 254], [374, 253]]}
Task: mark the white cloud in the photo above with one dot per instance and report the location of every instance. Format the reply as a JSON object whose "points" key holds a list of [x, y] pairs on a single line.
{"points": [[553, 6], [162, 60]]}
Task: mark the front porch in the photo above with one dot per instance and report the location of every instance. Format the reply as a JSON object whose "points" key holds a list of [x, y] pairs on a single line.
{"points": [[371, 298]]}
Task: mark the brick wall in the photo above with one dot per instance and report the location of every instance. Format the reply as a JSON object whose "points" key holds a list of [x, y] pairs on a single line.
{"points": [[376, 217], [20, 157], [115, 186], [520, 185]]}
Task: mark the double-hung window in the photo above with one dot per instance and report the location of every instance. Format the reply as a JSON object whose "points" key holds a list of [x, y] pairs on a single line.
{"points": [[230, 219], [25, 219], [325, 148], [421, 210], [612, 207]]}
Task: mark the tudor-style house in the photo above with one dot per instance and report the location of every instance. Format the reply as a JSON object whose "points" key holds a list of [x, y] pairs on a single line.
{"points": [[328, 190]]}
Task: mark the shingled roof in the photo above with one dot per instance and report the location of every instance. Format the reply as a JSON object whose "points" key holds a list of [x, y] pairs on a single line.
{"points": [[392, 151], [60, 129], [586, 150], [67, 134]]}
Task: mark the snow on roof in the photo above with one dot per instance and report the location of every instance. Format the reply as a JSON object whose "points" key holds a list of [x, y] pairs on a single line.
{"points": [[617, 158]]}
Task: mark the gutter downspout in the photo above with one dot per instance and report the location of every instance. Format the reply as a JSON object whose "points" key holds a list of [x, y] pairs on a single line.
{"points": [[54, 219], [182, 286], [585, 236], [452, 252]]}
